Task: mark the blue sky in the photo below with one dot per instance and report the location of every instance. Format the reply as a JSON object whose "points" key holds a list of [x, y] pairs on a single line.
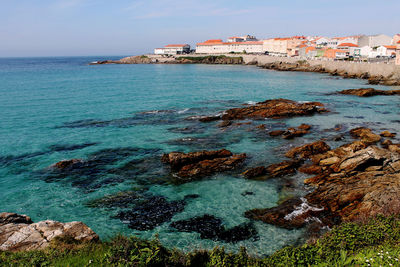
{"points": [[126, 27]]}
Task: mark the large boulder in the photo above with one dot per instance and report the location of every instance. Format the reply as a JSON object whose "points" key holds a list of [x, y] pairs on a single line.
{"points": [[19, 233], [308, 150], [365, 134]]}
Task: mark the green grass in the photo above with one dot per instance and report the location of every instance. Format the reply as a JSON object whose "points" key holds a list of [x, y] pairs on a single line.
{"points": [[373, 243]]}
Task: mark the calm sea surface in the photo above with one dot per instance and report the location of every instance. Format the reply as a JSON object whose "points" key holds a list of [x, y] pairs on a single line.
{"points": [[122, 118]]}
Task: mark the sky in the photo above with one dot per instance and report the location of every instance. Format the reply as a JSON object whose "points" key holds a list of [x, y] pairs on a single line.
{"points": [[131, 27]]}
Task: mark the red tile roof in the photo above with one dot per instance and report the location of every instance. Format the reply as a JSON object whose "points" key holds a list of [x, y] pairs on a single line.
{"points": [[176, 45], [219, 42], [310, 48], [247, 43], [348, 45], [390, 46], [211, 42]]}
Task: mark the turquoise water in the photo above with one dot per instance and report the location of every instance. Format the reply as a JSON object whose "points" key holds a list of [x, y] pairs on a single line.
{"points": [[53, 109]]}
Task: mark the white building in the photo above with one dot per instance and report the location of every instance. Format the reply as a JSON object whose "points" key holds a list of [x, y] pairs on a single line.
{"points": [[365, 51], [386, 50], [173, 49], [217, 46], [374, 40]]}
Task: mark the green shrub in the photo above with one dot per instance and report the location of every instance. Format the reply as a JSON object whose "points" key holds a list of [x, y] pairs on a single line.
{"points": [[349, 244]]}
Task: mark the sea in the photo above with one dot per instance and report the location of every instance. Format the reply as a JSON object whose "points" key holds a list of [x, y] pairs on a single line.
{"points": [[120, 119]]}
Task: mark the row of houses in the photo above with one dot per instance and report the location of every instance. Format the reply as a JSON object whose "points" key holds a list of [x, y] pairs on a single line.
{"points": [[359, 46]]}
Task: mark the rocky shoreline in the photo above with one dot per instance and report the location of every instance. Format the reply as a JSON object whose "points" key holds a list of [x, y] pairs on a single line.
{"points": [[389, 79], [352, 182]]}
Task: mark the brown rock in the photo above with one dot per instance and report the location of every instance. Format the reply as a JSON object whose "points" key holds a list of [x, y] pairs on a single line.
{"points": [[292, 133], [386, 143], [365, 134], [276, 133], [276, 108], [366, 92], [283, 168], [67, 164], [198, 164], [387, 134], [304, 127], [179, 159], [308, 150], [255, 172], [225, 124], [311, 169]]}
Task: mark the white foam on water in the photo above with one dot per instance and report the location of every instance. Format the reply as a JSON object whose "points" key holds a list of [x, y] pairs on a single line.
{"points": [[182, 111], [303, 208]]}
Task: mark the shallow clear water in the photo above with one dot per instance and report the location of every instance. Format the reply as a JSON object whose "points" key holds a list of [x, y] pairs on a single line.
{"points": [[134, 113]]}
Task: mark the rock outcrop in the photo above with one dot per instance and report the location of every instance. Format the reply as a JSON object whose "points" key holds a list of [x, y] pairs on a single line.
{"points": [[303, 66], [366, 92], [352, 182], [274, 170], [308, 150], [19, 233], [193, 165], [275, 108]]}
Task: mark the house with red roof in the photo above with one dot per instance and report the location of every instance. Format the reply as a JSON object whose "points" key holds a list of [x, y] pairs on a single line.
{"points": [[173, 49], [336, 54], [353, 49], [217, 46]]}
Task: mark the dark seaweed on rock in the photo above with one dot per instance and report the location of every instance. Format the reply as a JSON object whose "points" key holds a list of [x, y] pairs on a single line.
{"points": [[138, 119], [211, 227], [151, 213], [148, 170], [65, 147], [96, 170], [124, 199], [17, 159]]}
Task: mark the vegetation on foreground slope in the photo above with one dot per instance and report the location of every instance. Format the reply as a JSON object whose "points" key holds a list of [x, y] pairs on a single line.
{"points": [[374, 243]]}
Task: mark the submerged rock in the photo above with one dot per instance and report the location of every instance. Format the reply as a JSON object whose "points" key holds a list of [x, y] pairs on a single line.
{"points": [[273, 170], [203, 163], [291, 133], [19, 233], [275, 108], [211, 227], [151, 213]]}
